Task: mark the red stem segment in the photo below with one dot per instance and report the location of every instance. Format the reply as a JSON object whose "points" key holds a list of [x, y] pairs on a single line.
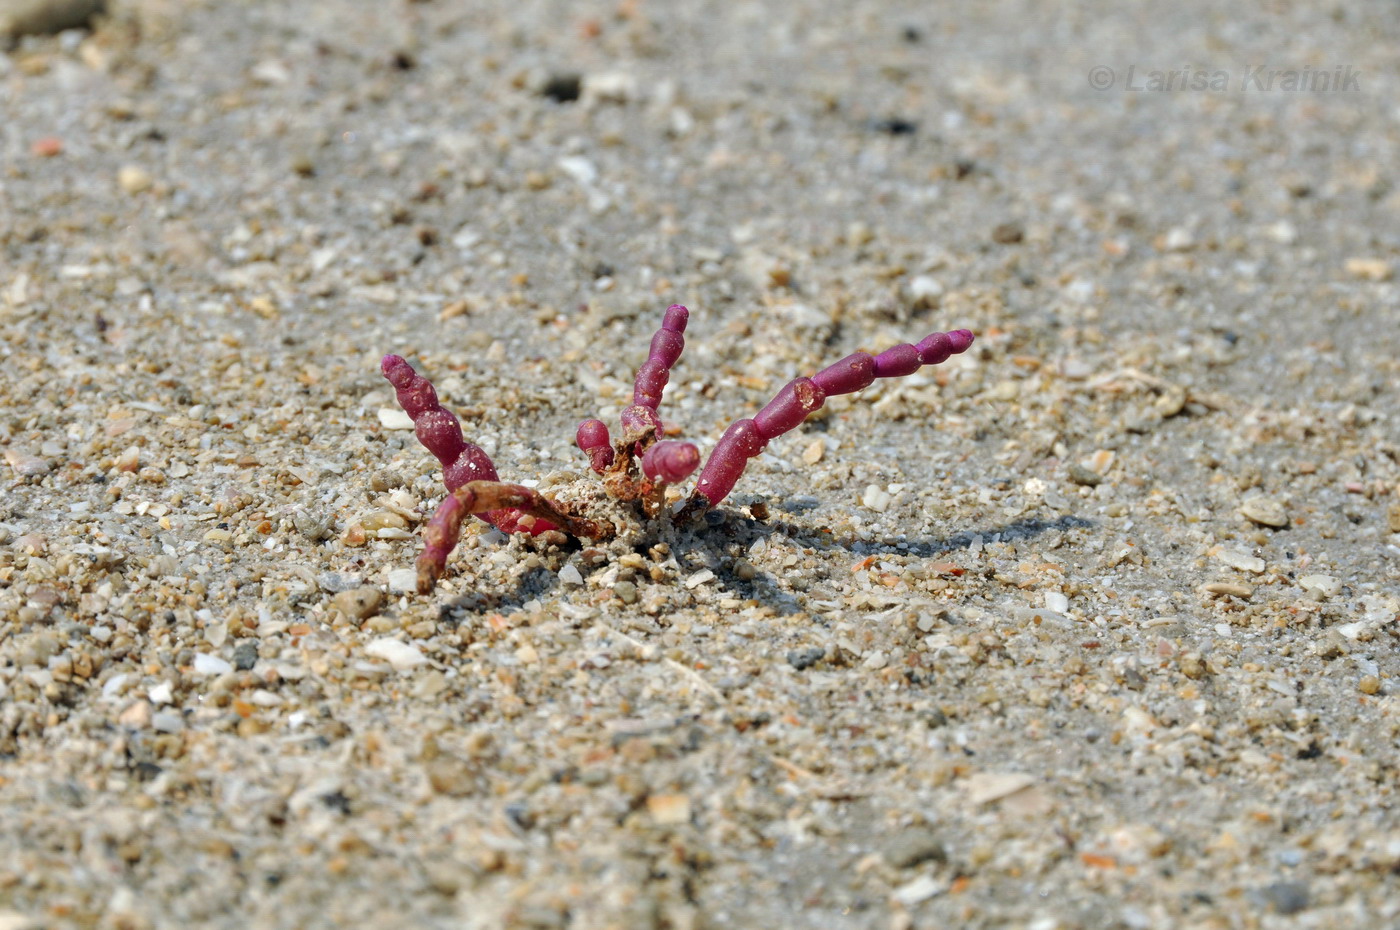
{"points": [[803, 397], [440, 433], [593, 439], [525, 507], [652, 377]]}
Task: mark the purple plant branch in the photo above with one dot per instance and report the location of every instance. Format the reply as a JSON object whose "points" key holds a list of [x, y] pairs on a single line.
{"points": [[593, 439], [652, 377], [670, 461], [525, 508], [440, 432], [802, 397]]}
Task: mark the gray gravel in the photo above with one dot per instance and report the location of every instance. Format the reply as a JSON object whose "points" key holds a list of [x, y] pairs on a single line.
{"points": [[1094, 626]]}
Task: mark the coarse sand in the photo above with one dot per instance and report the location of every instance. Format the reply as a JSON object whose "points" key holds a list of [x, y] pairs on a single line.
{"points": [[1093, 626]]}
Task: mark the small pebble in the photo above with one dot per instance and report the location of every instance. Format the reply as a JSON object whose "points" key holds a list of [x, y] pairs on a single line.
{"points": [[806, 657], [134, 179], [400, 655], [1369, 684], [395, 419], [206, 664], [1228, 589], [245, 656], [570, 575], [876, 498], [626, 592], [1008, 234], [924, 291], [402, 580], [167, 721], [1266, 511], [1321, 587], [1370, 269], [25, 465], [1284, 897], [1236, 558], [314, 526], [360, 603], [699, 578], [1080, 474], [914, 846], [985, 787], [669, 809]]}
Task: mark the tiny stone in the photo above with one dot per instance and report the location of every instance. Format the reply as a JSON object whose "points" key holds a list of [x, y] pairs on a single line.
{"points": [[814, 451], [403, 580], [1321, 587], [876, 498], [206, 664], [1284, 897], [313, 526], [1266, 511], [570, 575], [245, 656], [1393, 518], [1371, 269], [1008, 234], [1178, 239], [400, 655], [626, 592], [917, 890], [1085, 476], [359, 603], [562, 88], [450, 776], [1224, 588], [806, 657], [985, 787], [669, 809], [699, 578], [134, 179], [1056, 601], [45, 17], [924, 291], [394, 418], [1245, 562], [167, 721], [914, 846], [1369, 684], [137, 716]]}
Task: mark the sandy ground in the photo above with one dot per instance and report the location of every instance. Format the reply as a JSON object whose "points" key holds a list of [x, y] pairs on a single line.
{"points": [[1094, 626]]}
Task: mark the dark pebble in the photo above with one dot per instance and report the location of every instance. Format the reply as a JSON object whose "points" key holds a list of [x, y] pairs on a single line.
{"points": [[896, 126], [1008, 234], [1087, 476], [1284, 897], [805, 658], [245, 656], [562, 88], [914, 846]]}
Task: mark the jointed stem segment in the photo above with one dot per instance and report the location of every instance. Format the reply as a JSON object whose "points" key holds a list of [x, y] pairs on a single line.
{"points": [[804, 396], [483, 497]]}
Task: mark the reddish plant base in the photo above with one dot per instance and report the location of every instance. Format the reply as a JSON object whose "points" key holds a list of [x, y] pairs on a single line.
{"points": [[640, 465]]}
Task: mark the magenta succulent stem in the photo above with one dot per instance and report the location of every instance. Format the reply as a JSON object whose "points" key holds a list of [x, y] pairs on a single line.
{"points": [[517, 508], [440, 432], [804, 396], [593, 439], [655, 373], [670, 461]]}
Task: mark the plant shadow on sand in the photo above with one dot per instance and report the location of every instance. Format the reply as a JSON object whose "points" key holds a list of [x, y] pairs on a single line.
{"points": [[728, 539]]}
